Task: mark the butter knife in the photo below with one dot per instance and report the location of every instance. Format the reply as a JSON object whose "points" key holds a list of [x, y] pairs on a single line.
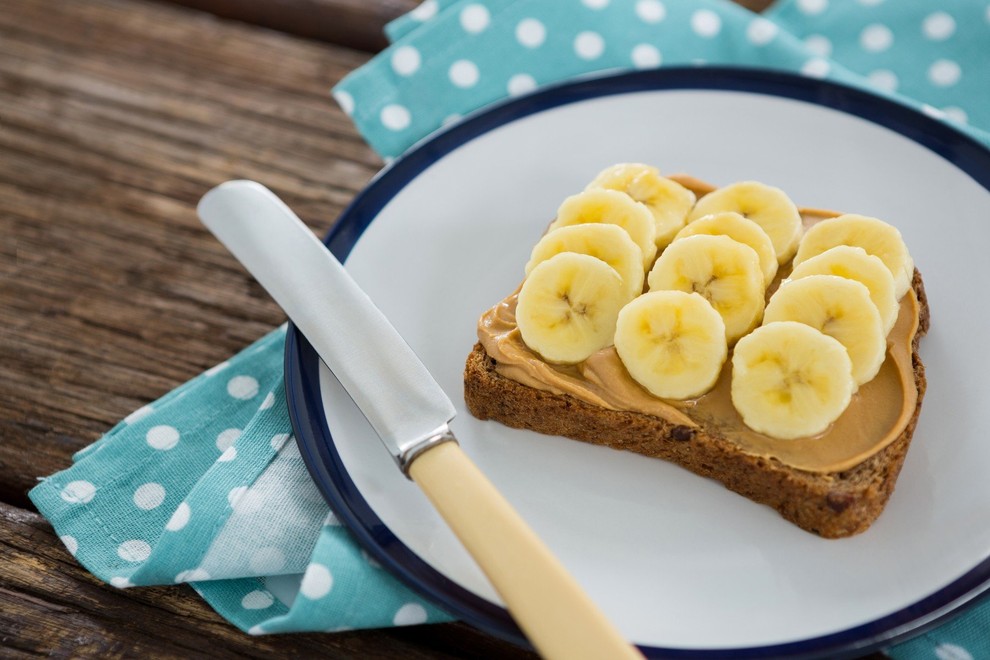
{"points": [[411, 414]]}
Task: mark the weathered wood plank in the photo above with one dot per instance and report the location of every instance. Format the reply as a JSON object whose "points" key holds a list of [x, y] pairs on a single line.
{"points": [[116, 117], [51, 606], [352, 23]]}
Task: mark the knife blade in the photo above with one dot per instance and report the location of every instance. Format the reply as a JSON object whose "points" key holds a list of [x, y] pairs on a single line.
{"points": [[410, 412], [388, 382]]}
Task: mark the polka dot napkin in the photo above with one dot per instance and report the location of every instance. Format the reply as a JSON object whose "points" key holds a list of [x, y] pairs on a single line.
{"points": [[206, 486], [453, 57]]}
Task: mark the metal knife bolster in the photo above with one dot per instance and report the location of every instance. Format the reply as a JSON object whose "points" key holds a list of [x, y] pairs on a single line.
{"points": [[406, 452]]}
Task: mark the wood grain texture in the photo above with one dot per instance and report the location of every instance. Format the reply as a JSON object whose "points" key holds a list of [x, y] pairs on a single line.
{"points": [[117, 117], [353, 23]]}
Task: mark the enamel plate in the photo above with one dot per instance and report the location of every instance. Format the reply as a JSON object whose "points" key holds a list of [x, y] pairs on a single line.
{"points": [[678, 562]]}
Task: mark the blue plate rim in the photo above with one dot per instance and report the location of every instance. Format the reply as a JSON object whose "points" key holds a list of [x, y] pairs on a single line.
{"points": [[302, 363]]}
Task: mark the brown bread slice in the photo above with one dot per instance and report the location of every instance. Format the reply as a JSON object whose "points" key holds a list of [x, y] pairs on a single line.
{"points": [[832, 505]]}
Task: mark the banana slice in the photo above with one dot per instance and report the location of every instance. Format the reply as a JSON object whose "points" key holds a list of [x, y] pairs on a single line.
{"points": [[614, 208], [672, 343], [606, 242], [726, 272], [568, 305], [840, 308], [854, 263], [667, 200], [738, 228], [875, 236], [765, 205], [790, 380]]}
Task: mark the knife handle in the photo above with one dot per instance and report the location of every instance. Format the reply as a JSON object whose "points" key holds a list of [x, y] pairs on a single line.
{"points": [[558, 618]]}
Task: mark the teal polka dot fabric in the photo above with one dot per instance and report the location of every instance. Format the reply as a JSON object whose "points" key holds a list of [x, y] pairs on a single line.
{"points": [[451, 58], [206, 486]]}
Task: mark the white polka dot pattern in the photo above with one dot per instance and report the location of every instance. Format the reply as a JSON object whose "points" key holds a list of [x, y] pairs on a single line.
{"points": [[212, 371], [242, 387], [410, 614], [812, 7], [464, 73], [589, 45], [706, 23], [760, 31], [876, 38], [475, 18], [395, 117], [316, 582], [257, 600], [816, 68], [818, 44], [944, 73], [134, 550], [531, 33], [521, 83], [346, 103], [938, 26], [192, 575], [226, 438], [651, 11], [163, 437], [279, 440], [405, 62], [883, 79], [645, 56], [956, 114], [139, 414], [78, 492], [179, 518], [70, 543], [425, 11], [149, 496], [952, 652]]}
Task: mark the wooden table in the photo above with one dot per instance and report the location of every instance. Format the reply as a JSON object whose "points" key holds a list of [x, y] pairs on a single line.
{"points": [[115, 117]]}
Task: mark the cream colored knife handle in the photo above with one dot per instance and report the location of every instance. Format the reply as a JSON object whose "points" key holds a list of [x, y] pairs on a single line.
{"points": [[553, 611]]}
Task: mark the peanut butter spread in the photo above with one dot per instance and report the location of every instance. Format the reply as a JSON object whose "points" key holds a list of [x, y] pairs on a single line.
{"points": [[875, 417]]}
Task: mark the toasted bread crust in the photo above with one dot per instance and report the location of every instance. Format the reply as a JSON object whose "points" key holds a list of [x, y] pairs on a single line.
{"points": [[831, 505]]}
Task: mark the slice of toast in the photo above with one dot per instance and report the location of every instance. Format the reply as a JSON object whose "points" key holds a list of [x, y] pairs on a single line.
{"points": [[832, 505]]}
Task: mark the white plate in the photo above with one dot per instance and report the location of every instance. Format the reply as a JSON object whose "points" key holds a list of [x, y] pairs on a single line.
{"points": [[677, 561]]}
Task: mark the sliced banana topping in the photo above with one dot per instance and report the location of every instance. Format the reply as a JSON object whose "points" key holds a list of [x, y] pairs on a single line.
{"points": [[790, 380], [667, 200], [568, 305], [738, 228], [614, 208], [609, 243], [672, 343], [725, 272], [765, 205], [823, 332], [840, 308], [875, 236], [854, 263]]}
